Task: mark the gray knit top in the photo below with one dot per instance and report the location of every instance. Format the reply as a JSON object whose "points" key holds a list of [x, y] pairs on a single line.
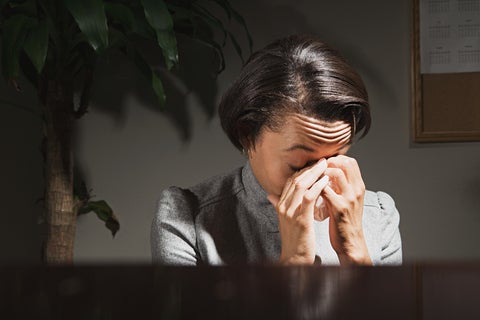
{"points": [[227, 219]]}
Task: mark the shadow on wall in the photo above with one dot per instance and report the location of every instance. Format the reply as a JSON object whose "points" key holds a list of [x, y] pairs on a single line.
{"points": [[367, 70], [21, 134], [267, 28], [21, 186], [117, 78]]}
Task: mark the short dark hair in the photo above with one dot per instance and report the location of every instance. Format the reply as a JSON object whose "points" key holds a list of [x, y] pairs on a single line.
{"points": [[297, 74]]}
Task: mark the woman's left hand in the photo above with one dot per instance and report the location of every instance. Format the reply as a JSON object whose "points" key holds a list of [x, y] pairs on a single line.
{"points": [[344, 202]]}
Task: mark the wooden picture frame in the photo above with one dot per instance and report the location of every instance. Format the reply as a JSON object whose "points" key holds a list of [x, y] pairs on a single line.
{"points": [[446, 107]]}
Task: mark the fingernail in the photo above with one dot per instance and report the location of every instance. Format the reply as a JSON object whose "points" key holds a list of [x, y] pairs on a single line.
{"points": [[322, 163], [325, 179]]}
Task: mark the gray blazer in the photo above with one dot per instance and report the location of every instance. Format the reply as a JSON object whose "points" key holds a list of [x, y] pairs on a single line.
{"points": [[227, 219]]}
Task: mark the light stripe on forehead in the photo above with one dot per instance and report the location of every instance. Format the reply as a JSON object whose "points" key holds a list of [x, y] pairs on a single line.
{"points": [[322, 132]]}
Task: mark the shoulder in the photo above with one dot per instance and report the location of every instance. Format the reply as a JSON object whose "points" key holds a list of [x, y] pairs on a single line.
{"points": [[380, 200], [211, 190], [175, 229], [380, 206], [381, 222], [176, 199], [172, 236], [218, 188]]}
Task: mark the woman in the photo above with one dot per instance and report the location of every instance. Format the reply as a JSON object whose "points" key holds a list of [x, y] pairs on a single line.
{"points": [[295, 110]]}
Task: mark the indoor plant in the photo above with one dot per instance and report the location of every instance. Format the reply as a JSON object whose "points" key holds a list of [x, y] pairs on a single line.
{"points": [[56, 45]]}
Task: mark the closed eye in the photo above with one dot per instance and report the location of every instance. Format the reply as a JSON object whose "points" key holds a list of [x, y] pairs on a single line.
{"points": [[295, 169], [308, 164]]}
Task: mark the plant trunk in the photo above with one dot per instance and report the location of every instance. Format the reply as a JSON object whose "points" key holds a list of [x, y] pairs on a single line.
{"points": [[60, 215]]}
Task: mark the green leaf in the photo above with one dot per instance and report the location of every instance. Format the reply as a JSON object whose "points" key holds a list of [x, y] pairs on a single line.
{"points": [[142, 26], [36, 45], [92, 21], [104, 212], [80, 190], [28, 70], [15, 30], [157, 87], [148, 73], [48, 11], [143, 66], [121, 14], [159, 18]]}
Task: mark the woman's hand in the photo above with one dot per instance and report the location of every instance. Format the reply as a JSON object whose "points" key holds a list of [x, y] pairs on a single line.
{"points": [[344, 202], [295, 209]]}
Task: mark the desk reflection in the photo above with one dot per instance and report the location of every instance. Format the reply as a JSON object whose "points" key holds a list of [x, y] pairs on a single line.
{"points": [[240, 292]]}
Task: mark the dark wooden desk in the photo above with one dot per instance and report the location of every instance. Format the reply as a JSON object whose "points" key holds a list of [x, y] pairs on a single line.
{"points": [[248, 292]]}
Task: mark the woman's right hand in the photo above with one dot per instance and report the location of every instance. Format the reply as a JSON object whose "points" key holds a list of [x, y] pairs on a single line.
{"points": [[295, 209]]}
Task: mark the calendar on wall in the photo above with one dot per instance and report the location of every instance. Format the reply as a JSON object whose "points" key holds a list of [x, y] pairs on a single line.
{"points": [[449, 36], [446, 70]]}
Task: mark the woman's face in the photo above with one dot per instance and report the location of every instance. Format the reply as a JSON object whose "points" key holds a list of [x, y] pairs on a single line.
{"points": [[300, 142]]}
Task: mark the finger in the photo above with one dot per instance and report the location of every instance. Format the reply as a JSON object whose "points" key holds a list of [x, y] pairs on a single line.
{"points": [[273, 199], [338, 180], [305, 181], [310, 197], [317, 188], [306, 177], [320, 212], [314, 194], [310, 174], [335, 200], [348, 165], [319, 202], [352, 173], [299, 183]]}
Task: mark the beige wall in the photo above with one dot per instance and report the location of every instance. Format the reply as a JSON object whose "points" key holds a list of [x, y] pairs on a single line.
{"points": [[129, 151]]}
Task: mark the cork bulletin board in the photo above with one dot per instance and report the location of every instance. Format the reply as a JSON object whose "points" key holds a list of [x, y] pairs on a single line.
{"points": [[446, 106]]}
